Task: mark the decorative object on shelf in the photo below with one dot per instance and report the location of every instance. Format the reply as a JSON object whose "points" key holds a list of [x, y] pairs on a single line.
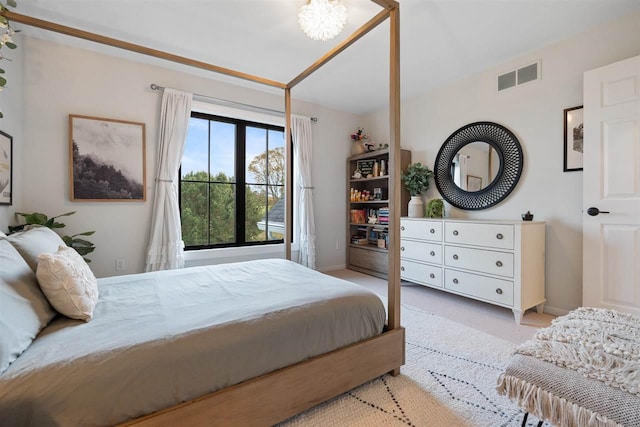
{"points": [[377, 193], [6, 169], [383, 168], [435, 209], [82, 246], [322, 19], [357, 174], [573, 139], [5, 37], [107, 159], [416, 179], [358, 139], [527, 216], [500, 144]]}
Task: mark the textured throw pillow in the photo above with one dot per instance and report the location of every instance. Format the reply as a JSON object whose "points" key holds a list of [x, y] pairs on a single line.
{"points": [[24, 310], [35, 241], [68, 282]]}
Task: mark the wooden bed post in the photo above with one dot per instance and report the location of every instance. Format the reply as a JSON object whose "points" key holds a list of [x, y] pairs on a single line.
{"points": [[288, 194], [393, 291]]}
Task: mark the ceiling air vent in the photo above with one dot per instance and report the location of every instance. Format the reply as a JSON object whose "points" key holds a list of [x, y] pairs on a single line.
{"points": [[520, 76]]}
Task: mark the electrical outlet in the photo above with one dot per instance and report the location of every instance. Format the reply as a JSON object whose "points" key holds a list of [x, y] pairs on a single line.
{"points": [[121, 265]]}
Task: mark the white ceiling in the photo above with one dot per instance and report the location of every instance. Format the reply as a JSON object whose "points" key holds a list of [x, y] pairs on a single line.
{"points": [[441, 40]]}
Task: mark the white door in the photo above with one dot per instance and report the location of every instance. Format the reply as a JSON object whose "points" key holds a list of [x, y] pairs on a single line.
{"points": [[611, 186]]}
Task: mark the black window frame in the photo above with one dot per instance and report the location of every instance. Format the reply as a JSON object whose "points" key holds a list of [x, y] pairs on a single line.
{"points": [[240, 182]]}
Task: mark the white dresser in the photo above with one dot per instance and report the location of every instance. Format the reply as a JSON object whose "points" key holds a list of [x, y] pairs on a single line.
{"points": [[499, 262]]}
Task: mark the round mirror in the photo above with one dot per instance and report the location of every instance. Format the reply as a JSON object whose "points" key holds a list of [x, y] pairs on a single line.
{"points": [[478, 166]]}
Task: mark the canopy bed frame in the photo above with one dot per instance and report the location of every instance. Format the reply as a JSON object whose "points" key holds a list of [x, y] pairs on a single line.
{"points": [[273, 397]]}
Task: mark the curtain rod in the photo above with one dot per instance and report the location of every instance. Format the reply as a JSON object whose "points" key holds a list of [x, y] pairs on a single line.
{"points": [[154, 86]]}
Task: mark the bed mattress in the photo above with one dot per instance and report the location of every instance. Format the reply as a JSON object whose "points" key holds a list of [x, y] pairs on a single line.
{"points": [[162, 338]]}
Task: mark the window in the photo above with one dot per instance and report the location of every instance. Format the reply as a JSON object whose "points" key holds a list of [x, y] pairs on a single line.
{"points": [[231, 183]]}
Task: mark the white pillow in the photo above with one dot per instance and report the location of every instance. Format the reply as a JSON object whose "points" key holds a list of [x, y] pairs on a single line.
{"points": [[68, 283]]}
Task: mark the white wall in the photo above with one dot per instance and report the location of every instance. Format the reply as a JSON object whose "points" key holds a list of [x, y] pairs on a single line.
{"points": [[62, 80], [11, 105], [534, 112]]}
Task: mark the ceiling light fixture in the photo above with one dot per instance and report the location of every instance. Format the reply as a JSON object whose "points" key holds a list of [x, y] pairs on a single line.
{"points": [[322, 19]]}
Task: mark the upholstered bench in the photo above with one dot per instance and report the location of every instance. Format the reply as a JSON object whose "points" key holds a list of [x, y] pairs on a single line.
{"points": [[583, 370]]}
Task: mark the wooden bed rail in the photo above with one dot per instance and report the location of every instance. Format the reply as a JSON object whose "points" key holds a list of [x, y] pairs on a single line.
{"points": [[274, 397]]}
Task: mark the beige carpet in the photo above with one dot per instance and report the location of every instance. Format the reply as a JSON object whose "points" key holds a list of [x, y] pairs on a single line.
{"points": [[448, 380]]}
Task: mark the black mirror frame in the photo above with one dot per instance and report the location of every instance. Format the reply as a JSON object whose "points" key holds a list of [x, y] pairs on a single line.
{"points": [[511, 164]]}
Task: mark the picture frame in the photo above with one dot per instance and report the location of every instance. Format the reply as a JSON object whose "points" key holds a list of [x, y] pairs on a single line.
{"points": [[6, 169], [474, 183], [573, 139], [107, 160], [365, 167]]}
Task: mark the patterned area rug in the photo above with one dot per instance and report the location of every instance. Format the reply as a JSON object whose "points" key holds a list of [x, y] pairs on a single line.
{"points": [[448, 380]]}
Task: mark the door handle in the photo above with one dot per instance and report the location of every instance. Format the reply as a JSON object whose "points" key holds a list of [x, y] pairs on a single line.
{"points": [[593, 211]]}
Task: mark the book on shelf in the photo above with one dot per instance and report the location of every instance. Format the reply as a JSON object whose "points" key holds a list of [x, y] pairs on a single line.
{"points": [[358, 216]]}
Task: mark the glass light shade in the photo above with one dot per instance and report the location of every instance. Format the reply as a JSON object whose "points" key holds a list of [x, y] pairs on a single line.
{"points": [[322, 19]]}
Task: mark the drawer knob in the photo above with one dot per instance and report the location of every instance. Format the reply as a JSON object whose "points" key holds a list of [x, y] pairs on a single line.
{"points": [[401, 268], [455, 281], [402, 248], [499, 291], [402, 228], [433, 231], [433, 276], [432, 253], [499, 236], [499, 263], [455, 232], [455, 256]]}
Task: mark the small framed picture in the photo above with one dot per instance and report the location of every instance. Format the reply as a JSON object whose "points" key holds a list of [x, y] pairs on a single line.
{"points": [[6, 168], [474, 183], [573, 138], [377, 193]]}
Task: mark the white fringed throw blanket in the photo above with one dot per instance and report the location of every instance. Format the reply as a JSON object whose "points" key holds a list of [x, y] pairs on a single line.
{"points": [[596, 344]]}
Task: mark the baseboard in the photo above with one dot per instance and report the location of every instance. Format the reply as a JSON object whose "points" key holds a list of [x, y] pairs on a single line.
{"points": [[332, 268], [555, 311]]}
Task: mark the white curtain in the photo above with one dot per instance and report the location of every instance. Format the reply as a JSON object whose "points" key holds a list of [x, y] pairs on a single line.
{"points": [[165, 249], [302, 155]]}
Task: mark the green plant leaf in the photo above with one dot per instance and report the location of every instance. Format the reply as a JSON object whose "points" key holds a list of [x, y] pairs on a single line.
{"points": [[86, 233], [35, 218], [81, 242], [3, 19], [16, 228], [1, 71], [12, 3], [3, 81], [65, 214], [11, 45], [68, 241]]}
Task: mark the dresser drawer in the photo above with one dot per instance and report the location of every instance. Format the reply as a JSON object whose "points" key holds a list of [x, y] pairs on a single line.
{"points": [[420, 229], [421, 251], [482, 260], [486, 288], [491, 235], [421, 273], [371, 260]]}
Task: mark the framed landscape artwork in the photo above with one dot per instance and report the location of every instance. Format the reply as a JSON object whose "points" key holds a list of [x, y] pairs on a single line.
{"points": [[6, 168], [107, 159], [573, 138]]}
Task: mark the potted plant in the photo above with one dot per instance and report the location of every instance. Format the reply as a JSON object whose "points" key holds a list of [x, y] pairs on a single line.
{"points": [[416, 179]]}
